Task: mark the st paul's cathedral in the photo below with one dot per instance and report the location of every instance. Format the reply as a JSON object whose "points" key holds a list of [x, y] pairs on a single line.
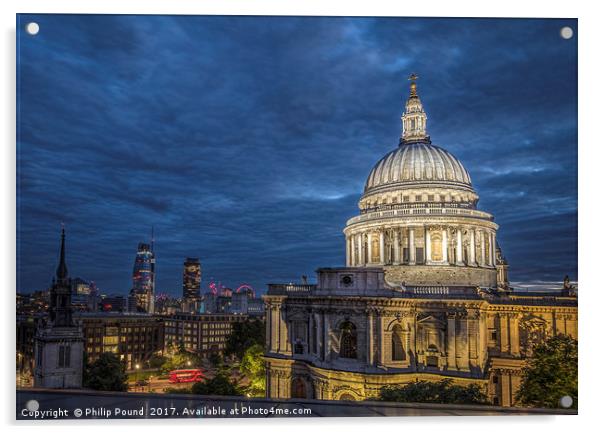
{"points": [[424, 294]]}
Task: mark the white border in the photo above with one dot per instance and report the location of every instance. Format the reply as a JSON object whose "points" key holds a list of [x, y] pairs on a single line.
{"points": [[590, 98]]}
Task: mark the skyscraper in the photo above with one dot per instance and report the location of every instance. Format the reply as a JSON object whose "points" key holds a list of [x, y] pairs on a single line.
{"points": [[191, 279], [143, 279]]}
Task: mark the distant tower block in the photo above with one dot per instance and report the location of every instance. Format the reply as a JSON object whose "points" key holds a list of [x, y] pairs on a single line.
{"points": [[191, 279], [59, 342]]}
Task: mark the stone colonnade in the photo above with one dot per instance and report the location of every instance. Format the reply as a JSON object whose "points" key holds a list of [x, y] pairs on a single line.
{"points": [[439, 244]]}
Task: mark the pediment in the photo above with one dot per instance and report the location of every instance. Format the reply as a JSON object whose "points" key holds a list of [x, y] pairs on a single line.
{"points": [[431, 320]]}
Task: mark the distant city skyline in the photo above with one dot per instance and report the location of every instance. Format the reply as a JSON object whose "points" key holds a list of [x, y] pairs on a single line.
{"points": [[246, 141]]}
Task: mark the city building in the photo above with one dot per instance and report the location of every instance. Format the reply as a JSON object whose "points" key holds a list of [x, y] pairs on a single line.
{"points": [[255, 307], [36, 302], [27, 325], [200, 333], [424, 294], [84, 296], [58, 342], [166, 305], [191, 285], [191, 279], [114, 303], [134, 337], [143, 287], [213, 303], [242, 301]]}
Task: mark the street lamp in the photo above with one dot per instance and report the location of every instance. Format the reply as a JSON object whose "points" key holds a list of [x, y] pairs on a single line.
{"points": [[137, 366]]}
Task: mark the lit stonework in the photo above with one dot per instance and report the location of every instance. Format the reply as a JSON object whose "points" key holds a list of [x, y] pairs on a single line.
{"points": [[424, 294], [418, 215]]}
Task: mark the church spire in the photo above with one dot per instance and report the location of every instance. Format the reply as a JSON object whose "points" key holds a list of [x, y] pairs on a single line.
{"points": [[61, 271], [413, 120]]}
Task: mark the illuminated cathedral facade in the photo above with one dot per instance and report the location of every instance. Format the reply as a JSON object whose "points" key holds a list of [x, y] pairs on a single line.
{"points": [[424, 294]]}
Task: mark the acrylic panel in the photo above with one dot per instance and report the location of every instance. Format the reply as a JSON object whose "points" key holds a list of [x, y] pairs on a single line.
{"points": [[251, 216]]}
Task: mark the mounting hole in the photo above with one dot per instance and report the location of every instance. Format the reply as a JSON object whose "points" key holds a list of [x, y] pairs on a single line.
{"points": [[32, 405], [32, 28], [566, 33], [566, 401]]}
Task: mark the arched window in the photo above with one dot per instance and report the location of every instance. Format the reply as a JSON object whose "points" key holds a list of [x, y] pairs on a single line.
{"points": [[348, 348], [346, 397], [298, 389], [397, 353], [436, 247], [375, 249]]}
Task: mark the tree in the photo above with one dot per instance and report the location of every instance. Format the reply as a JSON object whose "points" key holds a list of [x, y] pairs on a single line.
{"points": [[218, 385], [550, 374], [442, 392], [216, 360], [156, 361], [106, 373], [245, 334], [253, 367], [179, 360]]}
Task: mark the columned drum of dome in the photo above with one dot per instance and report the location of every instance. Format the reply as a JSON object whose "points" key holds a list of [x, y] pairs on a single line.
{"points": [[418, 215]]}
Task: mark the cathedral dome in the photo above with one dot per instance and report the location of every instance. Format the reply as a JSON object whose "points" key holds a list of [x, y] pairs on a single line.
{"points": [[412, 164]]}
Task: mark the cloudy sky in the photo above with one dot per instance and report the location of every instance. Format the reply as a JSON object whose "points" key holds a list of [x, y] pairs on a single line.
{"points": [[246, 141]]}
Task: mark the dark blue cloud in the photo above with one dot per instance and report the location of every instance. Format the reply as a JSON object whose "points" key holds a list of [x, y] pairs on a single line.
{"points": [[246, 140]]}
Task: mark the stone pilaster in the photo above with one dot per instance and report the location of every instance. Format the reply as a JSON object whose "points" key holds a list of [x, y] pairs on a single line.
{"points": [[504, 333], [445, 246], [326, 337], [459, 259], [514, 335], [396, 247], [451, 341], [412, 247], [370, 338], [381, 246], [473, 247], [427, 243]]}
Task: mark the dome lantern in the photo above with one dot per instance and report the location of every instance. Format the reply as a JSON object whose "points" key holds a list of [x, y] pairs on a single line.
{"points": [[413, 119]]}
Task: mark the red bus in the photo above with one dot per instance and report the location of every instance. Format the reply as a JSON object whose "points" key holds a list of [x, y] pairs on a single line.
{"points": [[186, 376]]}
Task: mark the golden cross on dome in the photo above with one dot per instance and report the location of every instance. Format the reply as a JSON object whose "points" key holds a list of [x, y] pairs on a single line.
{"points": [[413, 77]]}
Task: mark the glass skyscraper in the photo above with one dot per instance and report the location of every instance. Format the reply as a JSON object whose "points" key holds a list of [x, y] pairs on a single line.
{"points": [[143, 277]]}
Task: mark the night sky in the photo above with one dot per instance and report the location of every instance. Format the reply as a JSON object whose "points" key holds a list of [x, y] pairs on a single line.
{"points": [[246, 141]]}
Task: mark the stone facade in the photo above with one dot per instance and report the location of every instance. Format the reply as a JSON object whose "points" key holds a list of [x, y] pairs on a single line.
{"points": [[398, 337], [59, 341], [58, 357], [424, 294]]}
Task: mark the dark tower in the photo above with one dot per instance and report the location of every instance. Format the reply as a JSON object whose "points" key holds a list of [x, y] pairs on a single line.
{"points": [[191, 279], [59, 342], [60, 293]]}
